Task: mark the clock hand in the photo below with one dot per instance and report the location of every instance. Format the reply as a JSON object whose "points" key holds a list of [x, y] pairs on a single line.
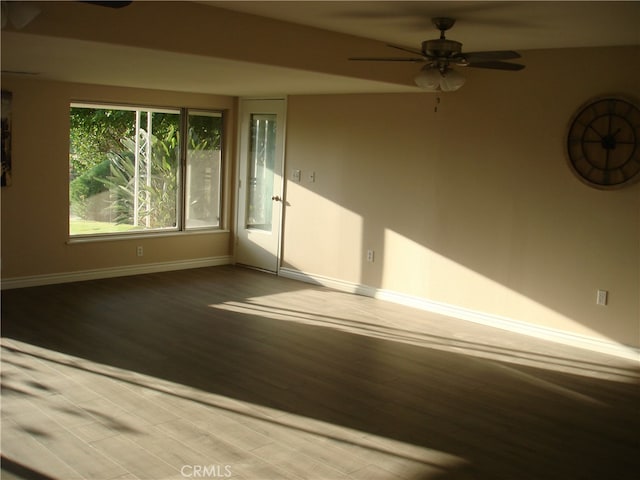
{"points": [[609, 141], [596, 131]]}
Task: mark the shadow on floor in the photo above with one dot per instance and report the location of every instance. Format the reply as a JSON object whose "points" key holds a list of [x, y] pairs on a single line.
{"points": [[506, 419], [11, 470]]}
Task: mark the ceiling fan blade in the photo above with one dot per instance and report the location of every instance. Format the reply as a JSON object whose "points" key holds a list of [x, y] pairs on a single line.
{"points": [[495, 65], [387, 59], [489, 55], [415, 51]]}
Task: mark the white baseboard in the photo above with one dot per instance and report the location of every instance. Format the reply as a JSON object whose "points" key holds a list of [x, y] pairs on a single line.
{"points": [[504, 323], [82, 275]]}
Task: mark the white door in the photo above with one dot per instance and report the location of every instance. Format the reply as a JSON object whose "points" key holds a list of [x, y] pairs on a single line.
{"points": [[260, 203]]}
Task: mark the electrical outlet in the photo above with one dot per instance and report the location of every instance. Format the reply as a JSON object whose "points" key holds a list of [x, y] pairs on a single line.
{"points": [[139, 251], [370, 256], [601, 297]]}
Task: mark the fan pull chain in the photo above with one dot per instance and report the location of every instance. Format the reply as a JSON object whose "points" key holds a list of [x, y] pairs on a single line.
{"points": [[435, 109]]}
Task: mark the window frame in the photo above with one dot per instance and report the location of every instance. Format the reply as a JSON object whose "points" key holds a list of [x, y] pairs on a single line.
{"points": [[181, 200]]}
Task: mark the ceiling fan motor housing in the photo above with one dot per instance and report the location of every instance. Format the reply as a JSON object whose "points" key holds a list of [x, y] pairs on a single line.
{"points": [[441, 48]]}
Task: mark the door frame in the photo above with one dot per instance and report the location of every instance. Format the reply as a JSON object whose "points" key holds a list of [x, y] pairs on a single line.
{"points": [[239, 215]]}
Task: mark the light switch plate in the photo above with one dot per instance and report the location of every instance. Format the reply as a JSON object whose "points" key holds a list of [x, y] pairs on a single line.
{"points": [[601, 297]]}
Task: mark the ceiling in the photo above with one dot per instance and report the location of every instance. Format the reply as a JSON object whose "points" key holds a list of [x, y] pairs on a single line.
{"points": [[522, 26], [496, 25]]}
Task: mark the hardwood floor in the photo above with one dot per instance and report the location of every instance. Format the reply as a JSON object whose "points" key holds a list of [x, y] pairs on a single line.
{"points": [[226, 372]]}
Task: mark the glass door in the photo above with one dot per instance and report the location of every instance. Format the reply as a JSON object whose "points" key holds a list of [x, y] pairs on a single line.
{"points": [[260, 203]]}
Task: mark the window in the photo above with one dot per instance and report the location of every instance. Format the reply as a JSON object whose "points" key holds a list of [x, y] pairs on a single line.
{"points": [[261, 171], [131, 173]]}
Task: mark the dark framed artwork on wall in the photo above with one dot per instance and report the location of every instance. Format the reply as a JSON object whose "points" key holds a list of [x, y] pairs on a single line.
{"points": [[6, 138]]}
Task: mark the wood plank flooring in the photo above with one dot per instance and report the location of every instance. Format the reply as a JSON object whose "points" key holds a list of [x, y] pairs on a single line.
{"points": [[226, 372]]}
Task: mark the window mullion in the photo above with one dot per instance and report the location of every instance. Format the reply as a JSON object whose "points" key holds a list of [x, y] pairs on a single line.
{"points": [[182, 170], [136, 179], [149, 166]]}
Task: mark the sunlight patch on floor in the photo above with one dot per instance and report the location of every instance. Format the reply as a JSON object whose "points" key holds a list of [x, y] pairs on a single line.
{"points": [[69, 417], [417, 330]]}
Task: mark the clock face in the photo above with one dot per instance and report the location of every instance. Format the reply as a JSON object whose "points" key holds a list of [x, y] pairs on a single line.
{"points": [[603, 144]]}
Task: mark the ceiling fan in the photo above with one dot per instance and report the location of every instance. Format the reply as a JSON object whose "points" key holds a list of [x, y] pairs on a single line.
{"points": [[441, 53]]}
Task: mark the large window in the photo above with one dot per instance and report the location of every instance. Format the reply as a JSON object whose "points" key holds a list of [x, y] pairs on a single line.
{"points": [[131, 172]]}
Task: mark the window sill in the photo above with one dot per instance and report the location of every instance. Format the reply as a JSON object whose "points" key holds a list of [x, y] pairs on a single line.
{"points": [[140, 236]]}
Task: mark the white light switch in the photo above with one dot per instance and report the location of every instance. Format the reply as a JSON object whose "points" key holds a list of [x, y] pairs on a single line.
{"points": [[601, 297], [312, 177], [297, 175]]}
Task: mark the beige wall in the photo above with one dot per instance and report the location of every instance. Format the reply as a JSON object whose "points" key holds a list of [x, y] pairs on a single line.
{"points": [[35, 208], [473, 205]]}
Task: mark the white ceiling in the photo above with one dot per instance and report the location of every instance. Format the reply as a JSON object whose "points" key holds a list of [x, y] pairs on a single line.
{"points": [[479, 26], [70, 60], [496, 25]]}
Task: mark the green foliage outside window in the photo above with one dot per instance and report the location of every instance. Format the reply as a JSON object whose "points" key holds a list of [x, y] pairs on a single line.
{"points": [[124, 178]]}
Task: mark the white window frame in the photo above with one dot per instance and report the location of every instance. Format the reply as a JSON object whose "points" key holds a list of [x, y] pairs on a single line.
{"points": [[181, 186]]}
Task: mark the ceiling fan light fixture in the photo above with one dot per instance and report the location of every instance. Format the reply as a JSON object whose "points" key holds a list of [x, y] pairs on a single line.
{"points": [[428, 78], [451, 80], [433, 79]]}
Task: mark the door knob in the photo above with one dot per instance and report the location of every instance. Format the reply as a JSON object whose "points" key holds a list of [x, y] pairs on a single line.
{"points": [[276, 198]]}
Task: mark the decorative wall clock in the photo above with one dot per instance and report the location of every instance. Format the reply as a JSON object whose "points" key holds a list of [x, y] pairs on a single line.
{"points": [[603, 143]]}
